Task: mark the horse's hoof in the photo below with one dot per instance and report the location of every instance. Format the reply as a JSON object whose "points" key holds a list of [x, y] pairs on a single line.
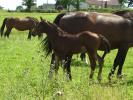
{"points": [[99, 80], [91, 81], [110, 76], [68, 77], [121, 76]]}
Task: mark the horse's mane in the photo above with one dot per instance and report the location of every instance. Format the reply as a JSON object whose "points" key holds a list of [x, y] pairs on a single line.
{"points": [[46, 45], [32, 18], [56, 28], [120, 12]]}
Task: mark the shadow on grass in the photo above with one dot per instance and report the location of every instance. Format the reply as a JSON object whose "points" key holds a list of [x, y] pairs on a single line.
{"points": [[116, 83], [78, 63]]}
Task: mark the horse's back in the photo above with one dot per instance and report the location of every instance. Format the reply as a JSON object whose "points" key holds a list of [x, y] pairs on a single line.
{"points": [[20, 23], [125, 13]]}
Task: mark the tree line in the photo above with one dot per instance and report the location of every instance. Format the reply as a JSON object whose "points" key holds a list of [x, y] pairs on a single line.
{"points": [[66, 4]]}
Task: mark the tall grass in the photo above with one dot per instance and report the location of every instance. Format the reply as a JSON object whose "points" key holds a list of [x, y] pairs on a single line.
{"points": [[24, 70]]}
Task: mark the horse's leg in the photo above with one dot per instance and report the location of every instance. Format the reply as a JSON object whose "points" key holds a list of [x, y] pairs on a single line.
{"points": [[82, 56], [1, 33], [52, 66], [119, 60], [100, 61], [67, 67], [7, 33], [56, 64], [29, 34], [123, 56], [92, 58], [40, 36]]}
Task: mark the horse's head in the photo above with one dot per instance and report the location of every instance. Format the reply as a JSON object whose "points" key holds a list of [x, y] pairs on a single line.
{"points": [[41, 27]]}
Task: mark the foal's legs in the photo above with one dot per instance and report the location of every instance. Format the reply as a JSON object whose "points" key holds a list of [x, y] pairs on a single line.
{"points": [[119, 60], [67, 67], [92, 57], [40, 36], [82, 56], [52, 66], [101, 61], [1, 33], [56, 64], [29, 34], [7, 33]]}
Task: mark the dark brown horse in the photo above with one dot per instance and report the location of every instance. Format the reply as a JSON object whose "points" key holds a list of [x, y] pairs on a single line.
{"points": [[64, 43], [117, 29], [27, 23]]}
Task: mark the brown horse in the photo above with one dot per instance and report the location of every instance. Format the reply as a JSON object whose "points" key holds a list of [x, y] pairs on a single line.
{"points": [[66, 44], [27, 23], [117, 29]]}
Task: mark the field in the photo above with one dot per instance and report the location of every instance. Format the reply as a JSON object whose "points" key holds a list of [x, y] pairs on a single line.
{"points": [[24, 70]]}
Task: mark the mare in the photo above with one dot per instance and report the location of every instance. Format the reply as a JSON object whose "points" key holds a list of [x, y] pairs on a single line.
{"points": [[117, 28], [64, 43], [27, 23]]}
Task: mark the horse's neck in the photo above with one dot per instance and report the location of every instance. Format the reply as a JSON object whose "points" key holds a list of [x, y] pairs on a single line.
{"points": [[53, 33]]}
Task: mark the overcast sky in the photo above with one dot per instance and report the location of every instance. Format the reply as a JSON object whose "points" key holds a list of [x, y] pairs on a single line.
{"points": [[12, 4]]}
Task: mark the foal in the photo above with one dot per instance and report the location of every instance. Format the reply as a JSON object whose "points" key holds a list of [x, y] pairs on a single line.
{"points": [[64, 44]]}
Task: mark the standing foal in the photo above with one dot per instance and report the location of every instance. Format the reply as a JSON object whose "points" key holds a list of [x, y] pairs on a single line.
{"points": [[64, 44]]}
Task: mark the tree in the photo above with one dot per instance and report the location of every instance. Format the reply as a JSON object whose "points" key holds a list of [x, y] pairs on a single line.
{"points": [[29, 4], [122, 2], [19, 8], [1, 7], [76, 4], [130, 3], [66, 3]]}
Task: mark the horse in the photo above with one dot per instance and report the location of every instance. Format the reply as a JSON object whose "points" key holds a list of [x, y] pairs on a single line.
{"points": [[117, 29], [21, 24], [125, 13], [64, 43]]}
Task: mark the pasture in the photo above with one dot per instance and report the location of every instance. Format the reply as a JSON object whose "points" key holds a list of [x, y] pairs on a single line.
{"points": [[24, 70]]}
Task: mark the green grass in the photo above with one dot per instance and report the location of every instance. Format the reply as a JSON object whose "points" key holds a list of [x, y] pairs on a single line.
{"points": [[24, 71]]}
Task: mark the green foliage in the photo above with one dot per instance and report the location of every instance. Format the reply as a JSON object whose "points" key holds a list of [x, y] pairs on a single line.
{"points": [[122, 2], [130, 3], [67, 3], [19, 8], [29, 4]]}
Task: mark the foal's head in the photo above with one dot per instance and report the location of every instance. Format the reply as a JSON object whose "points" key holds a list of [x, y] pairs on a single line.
{"points": [[46, 27], [42, 27]]}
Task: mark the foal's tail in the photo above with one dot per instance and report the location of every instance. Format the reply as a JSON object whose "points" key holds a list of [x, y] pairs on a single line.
{"points": [[106, 45], [3, 26]]}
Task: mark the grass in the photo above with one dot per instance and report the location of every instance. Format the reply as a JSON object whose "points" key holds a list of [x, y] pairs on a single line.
{"points": [[24, 71]]}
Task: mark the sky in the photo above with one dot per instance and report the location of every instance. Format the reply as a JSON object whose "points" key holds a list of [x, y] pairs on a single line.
{"points": [[12, 4]]}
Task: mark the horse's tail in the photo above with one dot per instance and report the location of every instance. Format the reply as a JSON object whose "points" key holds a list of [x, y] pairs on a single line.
{"points": [[3, 26], [45, 43], [106, 45]]}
